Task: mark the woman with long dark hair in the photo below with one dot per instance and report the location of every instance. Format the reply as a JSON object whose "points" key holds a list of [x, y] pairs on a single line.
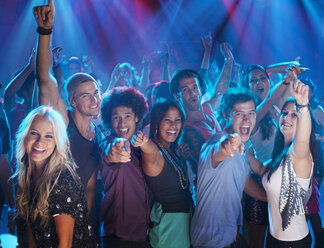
{"points": [[287, 180], [166, 175]]}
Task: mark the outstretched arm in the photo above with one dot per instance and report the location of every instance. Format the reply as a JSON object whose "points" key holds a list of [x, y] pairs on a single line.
{"points": [[48, 91], [226, 147], [118, 151], [153, 161]]}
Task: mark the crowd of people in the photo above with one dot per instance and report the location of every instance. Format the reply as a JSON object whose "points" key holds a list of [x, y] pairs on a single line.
{"points": [[209, 158]]}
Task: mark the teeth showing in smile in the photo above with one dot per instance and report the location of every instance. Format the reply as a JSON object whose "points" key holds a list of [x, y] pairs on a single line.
{"points": [[286, 125], [171, 132], [38, 149], [123, 131]]}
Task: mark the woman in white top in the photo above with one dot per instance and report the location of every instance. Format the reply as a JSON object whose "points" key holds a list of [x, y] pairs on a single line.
{"points": [[287, 178]]}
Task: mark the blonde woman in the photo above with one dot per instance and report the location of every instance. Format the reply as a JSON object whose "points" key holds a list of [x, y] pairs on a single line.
{"points": [[50, 198]]}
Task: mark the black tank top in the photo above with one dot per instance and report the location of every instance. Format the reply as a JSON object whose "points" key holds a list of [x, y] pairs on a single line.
{"points": [[85, 153], [167, 190]]}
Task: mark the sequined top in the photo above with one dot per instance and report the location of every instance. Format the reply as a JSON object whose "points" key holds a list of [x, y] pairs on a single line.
{"points": [[67, 197], [293, 198], [287, 196]]}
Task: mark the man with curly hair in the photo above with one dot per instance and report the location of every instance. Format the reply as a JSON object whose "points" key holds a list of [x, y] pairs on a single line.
{"points": [[126, 205]]}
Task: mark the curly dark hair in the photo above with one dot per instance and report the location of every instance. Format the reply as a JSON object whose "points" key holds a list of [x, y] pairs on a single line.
{"points": [[123, 96]]}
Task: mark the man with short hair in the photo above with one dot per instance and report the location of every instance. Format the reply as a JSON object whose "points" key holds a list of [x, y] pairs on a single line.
{"points": [[84, 100], [224, 167], [188, 88]]}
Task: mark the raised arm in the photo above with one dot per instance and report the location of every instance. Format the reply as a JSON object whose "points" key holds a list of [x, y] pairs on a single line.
{"points": [[207, 41], [48, 91], [18, 81], [165, 59], [144, 80], [113, 78], [300, 152], [282, 67], [153, 161], [225, 76], [277, 94]]}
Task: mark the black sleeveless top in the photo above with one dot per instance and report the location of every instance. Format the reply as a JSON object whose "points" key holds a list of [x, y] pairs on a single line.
{"points": [[168, 191]]}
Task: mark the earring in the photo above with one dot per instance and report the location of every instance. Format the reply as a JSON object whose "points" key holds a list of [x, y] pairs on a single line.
{"points": [[155, 131]]}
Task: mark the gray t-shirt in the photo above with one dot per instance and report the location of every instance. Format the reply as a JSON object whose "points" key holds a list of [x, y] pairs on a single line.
{"points": [[219, 193]]}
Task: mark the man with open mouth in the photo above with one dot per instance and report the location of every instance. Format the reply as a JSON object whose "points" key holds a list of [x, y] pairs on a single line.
{"points": [[223, 173]]}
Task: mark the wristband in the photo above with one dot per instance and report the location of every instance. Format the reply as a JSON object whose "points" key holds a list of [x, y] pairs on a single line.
{"points": [[44, 31], [302, 106]]}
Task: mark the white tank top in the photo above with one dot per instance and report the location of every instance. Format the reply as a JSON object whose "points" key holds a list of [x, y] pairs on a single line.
{"points": [[298, 229]]}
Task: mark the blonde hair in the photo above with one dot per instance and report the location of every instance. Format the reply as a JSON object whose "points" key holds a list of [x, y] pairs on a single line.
{"points": [[59, 160]]}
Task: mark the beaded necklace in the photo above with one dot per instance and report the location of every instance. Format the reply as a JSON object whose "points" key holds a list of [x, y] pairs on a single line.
{"points": [[177, 164]]}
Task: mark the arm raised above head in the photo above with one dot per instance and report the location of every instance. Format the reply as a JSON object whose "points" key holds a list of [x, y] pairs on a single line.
{"points": [[48, 91], [300, 152]]}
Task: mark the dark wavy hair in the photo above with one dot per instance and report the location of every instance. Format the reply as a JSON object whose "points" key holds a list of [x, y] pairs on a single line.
{"points": [[279, 149], [247, 72], [158, 112], [123, 96]]}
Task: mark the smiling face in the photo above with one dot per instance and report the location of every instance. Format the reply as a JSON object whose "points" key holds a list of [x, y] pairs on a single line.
{"points": [[259, 83], [190, 93], [169, 127], [242, 119], [87, 99], [123, 122], [40, 142], [288, 121]]}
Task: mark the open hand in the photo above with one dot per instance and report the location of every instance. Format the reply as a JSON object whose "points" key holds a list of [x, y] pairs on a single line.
{"points": [[226, 50], [207, 40]]}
